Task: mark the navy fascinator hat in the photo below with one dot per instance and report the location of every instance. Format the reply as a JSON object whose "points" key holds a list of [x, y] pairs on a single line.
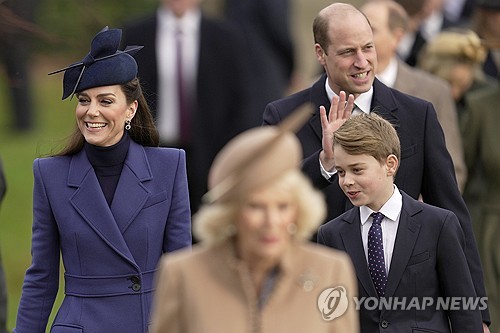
{"points": [[104, 65]]}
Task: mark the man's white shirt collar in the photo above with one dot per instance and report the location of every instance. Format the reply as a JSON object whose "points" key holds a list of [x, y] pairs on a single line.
{"points": [[187, 23], [363, 102]]}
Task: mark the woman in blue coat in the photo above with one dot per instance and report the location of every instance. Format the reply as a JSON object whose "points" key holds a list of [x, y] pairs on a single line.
{"points": [[110, 204]]}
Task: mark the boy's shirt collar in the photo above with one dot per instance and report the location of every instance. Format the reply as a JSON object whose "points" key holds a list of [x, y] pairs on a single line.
{"points": [[391, 209]]}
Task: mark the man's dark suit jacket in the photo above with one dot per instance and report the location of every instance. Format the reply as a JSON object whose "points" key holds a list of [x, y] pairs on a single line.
{"points": [[419, 43], [220, 109], [269, 45], [428, 261], [425, 168]]}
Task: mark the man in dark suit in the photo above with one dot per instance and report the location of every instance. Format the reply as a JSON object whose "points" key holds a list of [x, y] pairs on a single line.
{"points": [[269, 45], [405, 252], [389, 22], [215, 72], [345, 48]]}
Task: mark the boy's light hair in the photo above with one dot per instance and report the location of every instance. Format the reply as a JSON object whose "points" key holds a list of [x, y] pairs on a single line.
{"points": [[368, 134]]}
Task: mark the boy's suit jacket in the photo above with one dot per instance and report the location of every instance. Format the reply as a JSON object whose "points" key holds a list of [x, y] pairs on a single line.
{"points": [[428, 261], [110, 254], [426, 168]]}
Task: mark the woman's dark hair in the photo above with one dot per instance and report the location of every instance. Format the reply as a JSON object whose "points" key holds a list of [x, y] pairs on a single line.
{"points": [[143, 130]]}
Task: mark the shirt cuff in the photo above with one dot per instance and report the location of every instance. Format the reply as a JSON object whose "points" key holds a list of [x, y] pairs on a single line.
{"points": [[326, 174]]}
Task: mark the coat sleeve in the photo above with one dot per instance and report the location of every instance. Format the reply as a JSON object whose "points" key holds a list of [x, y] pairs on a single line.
{"points": [[178, 229], [166, 312], [41, 281], [448, 118]]}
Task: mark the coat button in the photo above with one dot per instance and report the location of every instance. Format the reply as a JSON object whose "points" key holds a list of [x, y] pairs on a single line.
{"points": [[136, 283], [384, 324]]}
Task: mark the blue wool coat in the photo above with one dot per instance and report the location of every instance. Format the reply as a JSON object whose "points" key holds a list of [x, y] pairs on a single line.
{"points": [[110, 254]]}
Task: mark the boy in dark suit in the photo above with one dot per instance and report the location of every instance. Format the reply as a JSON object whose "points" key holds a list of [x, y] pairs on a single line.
{"points": [[409, 256]]}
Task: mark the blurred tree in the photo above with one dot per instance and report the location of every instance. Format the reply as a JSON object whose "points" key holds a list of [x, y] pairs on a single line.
{"points": [[75, 22]]}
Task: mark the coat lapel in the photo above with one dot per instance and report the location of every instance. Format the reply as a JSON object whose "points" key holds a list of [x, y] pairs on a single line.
{"points": [[351, 238], [318, 98], [131, 194], [406, 238], [384, 104]]}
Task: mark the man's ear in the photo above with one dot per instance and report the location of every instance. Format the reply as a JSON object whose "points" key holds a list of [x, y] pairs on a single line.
{"points": [[320, 54]]}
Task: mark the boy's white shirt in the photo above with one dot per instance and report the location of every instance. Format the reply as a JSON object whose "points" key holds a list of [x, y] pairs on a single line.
{"points": [[392, 211]]}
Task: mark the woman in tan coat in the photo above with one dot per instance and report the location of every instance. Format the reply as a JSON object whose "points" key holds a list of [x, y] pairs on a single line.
{"points": [[254, 269]]}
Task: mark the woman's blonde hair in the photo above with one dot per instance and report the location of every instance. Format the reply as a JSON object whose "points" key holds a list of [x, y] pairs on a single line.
{"points": [[451, 47], [214, 223]]}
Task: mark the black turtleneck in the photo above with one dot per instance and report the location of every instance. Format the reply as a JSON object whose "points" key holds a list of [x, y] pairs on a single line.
{"points": [[108, 163]]}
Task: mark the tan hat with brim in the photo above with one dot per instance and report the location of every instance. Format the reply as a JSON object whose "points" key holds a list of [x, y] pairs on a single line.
{"points": [[256, 157]]}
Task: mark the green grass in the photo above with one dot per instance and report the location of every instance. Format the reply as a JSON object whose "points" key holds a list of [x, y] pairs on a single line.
{"points": [[54, 120]]}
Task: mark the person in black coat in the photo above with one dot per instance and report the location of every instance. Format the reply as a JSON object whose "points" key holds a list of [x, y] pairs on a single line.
{"points": [[217, 72], [265, 26], [345, 48]]}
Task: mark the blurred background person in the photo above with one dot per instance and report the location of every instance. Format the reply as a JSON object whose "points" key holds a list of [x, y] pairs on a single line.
{"points": [[17, 32], [485, 22], [110, 203], [3, 283], [265, 27], [459, 11], [456, 55], [299, 17], [483, 160], [389, 22], [426, 19], [195, 75], [254, 259]]}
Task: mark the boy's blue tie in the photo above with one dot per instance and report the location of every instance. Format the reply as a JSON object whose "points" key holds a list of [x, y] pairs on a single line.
{"points": [[376, 262]]}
